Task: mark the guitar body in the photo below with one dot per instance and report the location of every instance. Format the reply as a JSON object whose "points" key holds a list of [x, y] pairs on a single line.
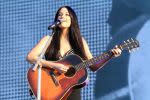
{"points": [[56, 86]]}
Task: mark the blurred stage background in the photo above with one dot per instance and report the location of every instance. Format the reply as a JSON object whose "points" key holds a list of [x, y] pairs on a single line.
{"points": [[103, 23]]}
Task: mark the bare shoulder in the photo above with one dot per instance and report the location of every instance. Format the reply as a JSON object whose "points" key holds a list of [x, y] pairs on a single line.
{"points": [[44, 40], [46, 37], [84, 41], [86, 48], [85, 44]]}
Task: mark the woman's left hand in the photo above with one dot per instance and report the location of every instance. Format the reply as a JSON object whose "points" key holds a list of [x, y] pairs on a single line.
{"points": [[116, 51]]}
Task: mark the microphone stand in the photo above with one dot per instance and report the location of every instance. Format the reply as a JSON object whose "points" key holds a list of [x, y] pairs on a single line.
{"points": [[36, 66]]}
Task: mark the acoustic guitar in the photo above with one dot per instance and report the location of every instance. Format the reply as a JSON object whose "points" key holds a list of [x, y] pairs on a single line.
{"points": [[56, 86]]}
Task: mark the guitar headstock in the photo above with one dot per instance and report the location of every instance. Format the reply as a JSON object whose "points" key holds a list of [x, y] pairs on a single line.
{"points": [[130, 44]]}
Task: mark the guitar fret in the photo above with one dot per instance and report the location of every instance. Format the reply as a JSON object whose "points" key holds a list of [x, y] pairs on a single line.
{"points": [[86, 64], [80, 66], [91, 61]]}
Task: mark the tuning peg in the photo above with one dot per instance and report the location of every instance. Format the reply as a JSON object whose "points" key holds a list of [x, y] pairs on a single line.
{"points": [[137, 48], [128, 40], [130, 51], [132, 39], [133, 50], [125, 42]]}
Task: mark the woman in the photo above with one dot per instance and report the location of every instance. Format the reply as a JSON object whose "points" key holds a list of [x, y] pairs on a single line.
{"points": [[65, 40]]}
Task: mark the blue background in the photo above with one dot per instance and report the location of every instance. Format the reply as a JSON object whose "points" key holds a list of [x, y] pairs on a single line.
{"points": [[103, 23]]}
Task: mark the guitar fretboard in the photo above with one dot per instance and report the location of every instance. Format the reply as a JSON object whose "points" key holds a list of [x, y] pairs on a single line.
{"points": [[94, 60], [130, 44]]}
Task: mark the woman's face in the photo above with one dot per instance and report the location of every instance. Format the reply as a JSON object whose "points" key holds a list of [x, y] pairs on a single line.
{"points": [[65, 17]]}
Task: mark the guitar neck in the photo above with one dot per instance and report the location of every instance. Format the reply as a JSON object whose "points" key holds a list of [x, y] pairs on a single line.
{"points": [[129, 44], [96, 60]]}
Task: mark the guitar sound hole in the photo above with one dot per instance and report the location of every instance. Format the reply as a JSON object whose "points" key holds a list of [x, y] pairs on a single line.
{"points": [[71, 71]]}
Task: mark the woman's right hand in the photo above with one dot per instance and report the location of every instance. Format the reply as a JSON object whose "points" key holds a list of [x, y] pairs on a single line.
{"points": [[59, 67]]}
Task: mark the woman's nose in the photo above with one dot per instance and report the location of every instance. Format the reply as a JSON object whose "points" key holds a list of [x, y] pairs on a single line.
{"points": [[63, 16]]}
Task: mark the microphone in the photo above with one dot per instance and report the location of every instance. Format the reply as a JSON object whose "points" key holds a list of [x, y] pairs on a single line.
{"points": [[55, 24]]}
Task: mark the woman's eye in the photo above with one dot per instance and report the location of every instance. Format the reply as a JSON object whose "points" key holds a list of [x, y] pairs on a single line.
{"points": [[59, 14], [63, 14]]}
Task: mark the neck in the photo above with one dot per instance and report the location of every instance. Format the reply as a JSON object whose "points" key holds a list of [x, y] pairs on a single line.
{"points": [[64, 33]]}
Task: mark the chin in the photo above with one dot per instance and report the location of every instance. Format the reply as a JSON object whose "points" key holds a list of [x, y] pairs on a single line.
{"points": [[63, 27]]}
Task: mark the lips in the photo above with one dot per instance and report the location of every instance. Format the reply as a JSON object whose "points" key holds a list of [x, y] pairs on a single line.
{"points": [[62, 20]]}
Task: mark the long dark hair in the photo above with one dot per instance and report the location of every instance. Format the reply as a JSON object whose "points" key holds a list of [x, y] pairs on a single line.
{"points": [[75, 38]]}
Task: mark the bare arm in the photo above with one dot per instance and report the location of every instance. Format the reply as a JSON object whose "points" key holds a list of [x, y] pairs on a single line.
{"points": [[116, 52], [87, 50], [33, 55], [36, 51]]}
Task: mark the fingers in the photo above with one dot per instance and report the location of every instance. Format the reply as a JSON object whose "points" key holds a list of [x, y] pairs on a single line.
{"points": [[39, 63], [116, 51], [61, 68], [64, 68]]}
